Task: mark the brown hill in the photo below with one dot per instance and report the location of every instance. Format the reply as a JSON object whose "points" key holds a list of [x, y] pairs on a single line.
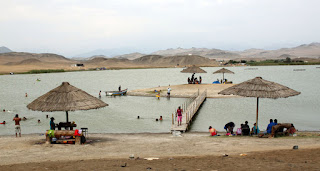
{"points": [[26, 62], [170, 61], [130, 56], [311, 50], [17, 57]]}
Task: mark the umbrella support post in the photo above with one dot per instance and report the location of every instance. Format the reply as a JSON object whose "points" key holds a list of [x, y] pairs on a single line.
{"points": [[257, 115], [67, 115]]}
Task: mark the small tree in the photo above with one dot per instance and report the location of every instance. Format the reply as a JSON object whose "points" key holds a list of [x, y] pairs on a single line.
{"points": [[288, 60]]}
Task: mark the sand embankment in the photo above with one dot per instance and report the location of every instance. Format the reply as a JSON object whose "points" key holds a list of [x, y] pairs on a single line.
{"points": [[184, 90]]}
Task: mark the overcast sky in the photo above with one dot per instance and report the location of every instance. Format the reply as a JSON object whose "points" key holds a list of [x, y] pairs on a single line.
{"points": [[71, 27]]}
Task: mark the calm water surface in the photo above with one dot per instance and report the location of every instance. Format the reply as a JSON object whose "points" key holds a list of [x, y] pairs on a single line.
{"points": [[120, 116]]}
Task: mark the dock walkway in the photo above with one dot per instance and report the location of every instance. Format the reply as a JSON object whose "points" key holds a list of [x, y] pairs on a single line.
{"points": [[188, 113]]}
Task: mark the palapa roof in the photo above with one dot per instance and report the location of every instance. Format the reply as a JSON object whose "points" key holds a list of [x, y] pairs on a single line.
{"points": [[66, 98], [259, 87], [223, 70], [193, 69]]}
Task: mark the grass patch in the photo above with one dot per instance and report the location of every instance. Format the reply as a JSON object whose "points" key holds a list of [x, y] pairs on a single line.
{"points": [[44, 71], [276, 62]]}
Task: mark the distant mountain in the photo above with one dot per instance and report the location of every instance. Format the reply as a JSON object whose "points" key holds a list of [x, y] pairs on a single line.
{"points": [[209, 53], [311, 50], [130, 56], [18, 57], [4, 49], [88, 58], [108, 52], [177, 60]]}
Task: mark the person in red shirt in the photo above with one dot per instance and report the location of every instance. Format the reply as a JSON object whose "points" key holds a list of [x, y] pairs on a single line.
{"points": [[17, 120]]}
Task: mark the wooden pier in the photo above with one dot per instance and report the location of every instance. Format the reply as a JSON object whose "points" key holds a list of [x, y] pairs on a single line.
{"points": [[189, 111]]}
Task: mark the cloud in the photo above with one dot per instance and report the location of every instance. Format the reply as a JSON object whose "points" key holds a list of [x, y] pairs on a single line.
{"points": [[78, 24]]}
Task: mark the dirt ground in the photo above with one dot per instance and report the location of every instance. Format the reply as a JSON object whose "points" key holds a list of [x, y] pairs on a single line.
{"points": [[191, 151], [301, 159]]}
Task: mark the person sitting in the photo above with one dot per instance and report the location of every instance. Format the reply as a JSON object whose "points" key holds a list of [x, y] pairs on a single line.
{"points": [[291, 130], [239, 130], [160, 118], [189, 80], [212, 131], [245, 129], [255, 130], [269, 127], [195, 81]]}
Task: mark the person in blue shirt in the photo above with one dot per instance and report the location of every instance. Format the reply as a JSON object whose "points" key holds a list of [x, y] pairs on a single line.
{"points": [[255, 129], [52, 124], [275, 122], [269, 128]]}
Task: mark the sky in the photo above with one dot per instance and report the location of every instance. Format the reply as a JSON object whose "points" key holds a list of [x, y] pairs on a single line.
{"points": [[71, 27]]}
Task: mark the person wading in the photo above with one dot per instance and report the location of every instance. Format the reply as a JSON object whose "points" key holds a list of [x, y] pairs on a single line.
{"points": [[17, 120]]}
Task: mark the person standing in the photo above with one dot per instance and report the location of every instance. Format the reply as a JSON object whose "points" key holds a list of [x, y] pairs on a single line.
{"points": [[168, 93], [100, 94], [52, 124], [179, 112], [119, 87], [17, 120]]}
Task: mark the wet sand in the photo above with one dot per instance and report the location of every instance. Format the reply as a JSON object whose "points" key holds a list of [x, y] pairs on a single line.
{"points": [[191, 151], [184, 90]]}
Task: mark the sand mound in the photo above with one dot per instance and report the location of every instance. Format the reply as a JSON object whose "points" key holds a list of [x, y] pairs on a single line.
{"points": [[25, 62]]}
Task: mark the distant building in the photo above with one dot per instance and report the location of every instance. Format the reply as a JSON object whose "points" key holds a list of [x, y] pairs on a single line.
{"points": [[78, 65]]}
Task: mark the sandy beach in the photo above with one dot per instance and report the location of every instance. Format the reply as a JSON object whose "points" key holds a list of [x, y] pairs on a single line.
{"points": [[191, 151], [183, 90]]}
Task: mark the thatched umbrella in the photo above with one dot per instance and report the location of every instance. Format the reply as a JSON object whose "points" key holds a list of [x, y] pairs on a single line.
{"points": [[260, 88], [223, 70], [66, 98], [193, 69]]}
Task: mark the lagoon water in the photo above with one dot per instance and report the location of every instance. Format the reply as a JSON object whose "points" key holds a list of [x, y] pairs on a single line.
{"points": [[121, 114]]}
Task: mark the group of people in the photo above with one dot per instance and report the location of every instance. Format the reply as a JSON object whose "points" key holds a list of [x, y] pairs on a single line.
{"points": [[17, 120], [272, 129], [222, 81], [160, 119], [194, 80]]}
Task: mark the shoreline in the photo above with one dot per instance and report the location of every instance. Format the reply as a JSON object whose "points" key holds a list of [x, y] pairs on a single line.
{"points": [[6, 70]]}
